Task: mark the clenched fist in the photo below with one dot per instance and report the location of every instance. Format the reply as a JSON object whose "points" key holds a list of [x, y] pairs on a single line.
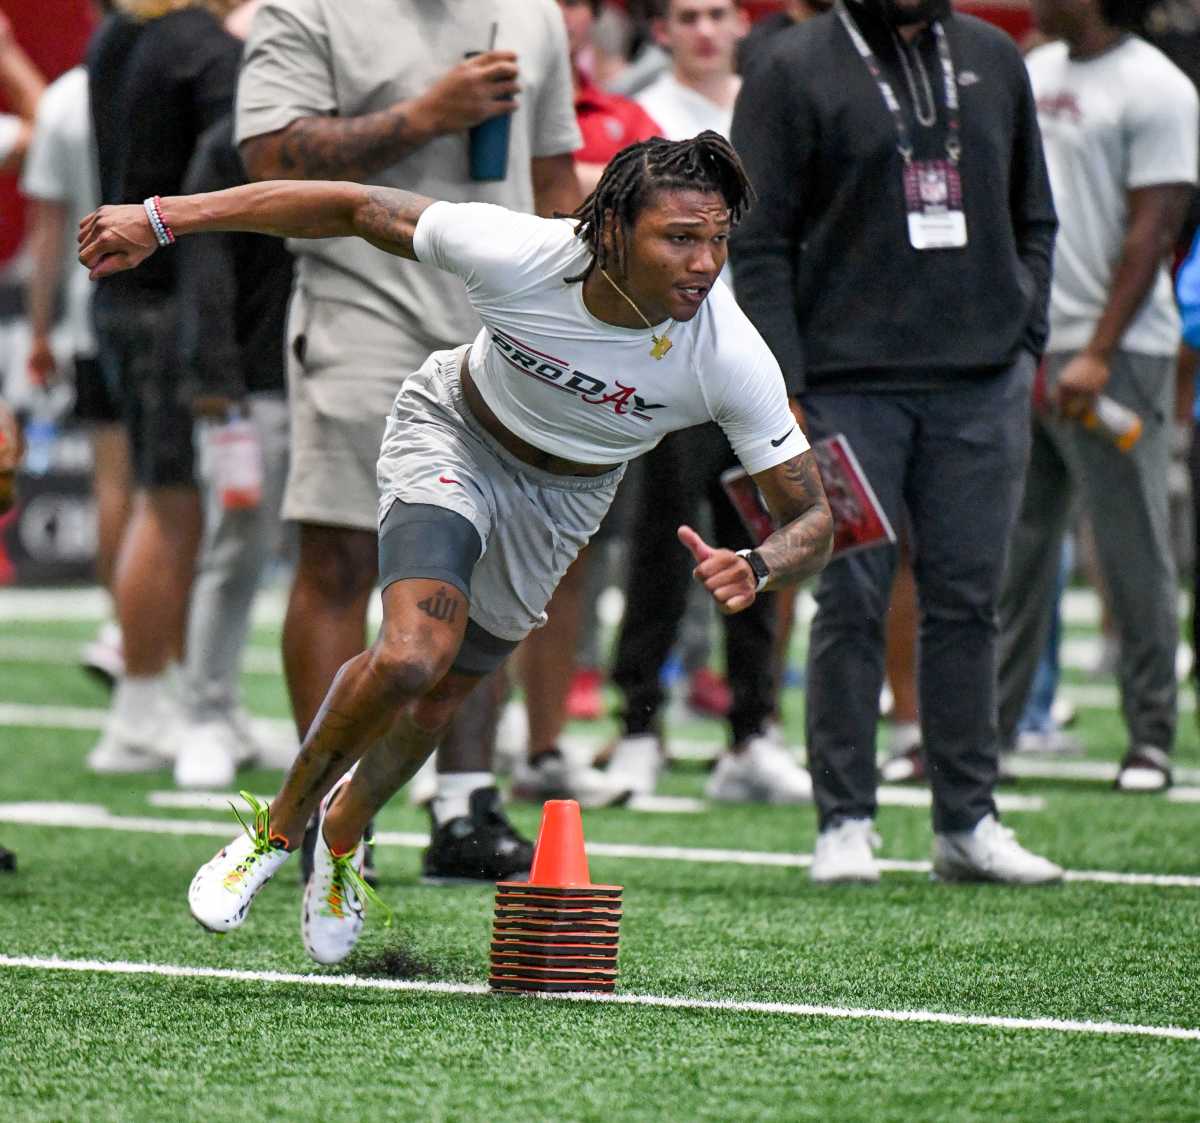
{"points": [[114, 239]]}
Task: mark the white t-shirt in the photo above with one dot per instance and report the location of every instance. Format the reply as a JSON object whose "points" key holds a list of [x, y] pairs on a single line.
{"points": [[1125, 119], [310, 58], [60, 167], [576, 387], [680, 111]]}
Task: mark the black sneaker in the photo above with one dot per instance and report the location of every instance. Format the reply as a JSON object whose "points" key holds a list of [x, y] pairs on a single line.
{"points": [[8, 861], [481, 847], [309, 844]]}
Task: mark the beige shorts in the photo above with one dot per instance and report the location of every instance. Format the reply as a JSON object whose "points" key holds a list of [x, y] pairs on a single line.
{"points": [[345, 366]]}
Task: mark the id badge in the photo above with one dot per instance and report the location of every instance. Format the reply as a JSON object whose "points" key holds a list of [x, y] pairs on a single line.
{"points": [[933, 196]]}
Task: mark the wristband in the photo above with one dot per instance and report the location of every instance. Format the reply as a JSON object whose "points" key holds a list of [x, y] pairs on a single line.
{"points": [[163, 234], [760, 569]]}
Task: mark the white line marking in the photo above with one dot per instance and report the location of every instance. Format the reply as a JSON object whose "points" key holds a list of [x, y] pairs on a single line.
{"points": [[787, 1009], [257, 659], [85, 816], [1184, 795]]}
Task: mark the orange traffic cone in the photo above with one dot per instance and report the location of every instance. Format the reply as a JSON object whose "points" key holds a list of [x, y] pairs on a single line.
{"points": [[557, 931]]}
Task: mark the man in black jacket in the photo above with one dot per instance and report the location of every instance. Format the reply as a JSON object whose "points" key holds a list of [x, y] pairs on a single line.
{"points": [[898, 265]]}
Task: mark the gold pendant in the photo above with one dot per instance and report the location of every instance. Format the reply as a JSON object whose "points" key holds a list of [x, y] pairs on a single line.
{"points": [[662, 344]]}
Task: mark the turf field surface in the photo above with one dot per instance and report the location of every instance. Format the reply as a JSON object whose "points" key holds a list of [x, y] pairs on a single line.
{"points": [[117, 1006]]}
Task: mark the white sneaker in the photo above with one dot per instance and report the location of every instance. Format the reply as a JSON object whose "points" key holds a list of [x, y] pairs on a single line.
{"points": [[207, 757], [845, 854], [990, 852], [1056, 741], [335, 896], [224, 888], [763, 772], [139, 731], [635, 764], [553, 776]]}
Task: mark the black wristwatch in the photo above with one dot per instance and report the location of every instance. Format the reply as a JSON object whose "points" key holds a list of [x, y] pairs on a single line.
{"points": [[760, 569]]}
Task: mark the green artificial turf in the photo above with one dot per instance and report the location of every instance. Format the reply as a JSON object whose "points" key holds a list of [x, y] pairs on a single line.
{"points": [[91, 1046]]}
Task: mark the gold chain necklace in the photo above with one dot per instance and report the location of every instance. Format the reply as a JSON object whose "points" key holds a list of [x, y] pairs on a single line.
{"points": [[661, 343]]}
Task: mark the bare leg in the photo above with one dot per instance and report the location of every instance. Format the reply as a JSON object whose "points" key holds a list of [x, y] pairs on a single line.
{"points": [[326, 619], [394, 759], [111, 484], [423, 625], [548, 659], [471, 736], [154, 577]]}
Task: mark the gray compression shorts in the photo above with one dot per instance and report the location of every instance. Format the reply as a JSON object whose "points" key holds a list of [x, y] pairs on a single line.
{"points": [[420, 540]]}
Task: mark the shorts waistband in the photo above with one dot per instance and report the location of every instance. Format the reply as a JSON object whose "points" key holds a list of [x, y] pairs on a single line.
{"points": [[448, 365]]}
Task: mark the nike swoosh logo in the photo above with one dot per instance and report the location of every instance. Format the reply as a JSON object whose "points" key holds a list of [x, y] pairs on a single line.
{"points": [[444, 480], [776, 444]]}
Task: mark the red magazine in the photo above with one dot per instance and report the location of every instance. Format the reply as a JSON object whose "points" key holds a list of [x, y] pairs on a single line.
{"points": [[859, 522]]}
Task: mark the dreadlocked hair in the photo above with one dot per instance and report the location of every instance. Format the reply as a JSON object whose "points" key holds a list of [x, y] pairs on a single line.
{"points": [[706, 162]]}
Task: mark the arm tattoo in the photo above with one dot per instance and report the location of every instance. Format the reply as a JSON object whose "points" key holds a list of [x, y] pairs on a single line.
{"points": [[388, 219], [352, 148], [441, 606], [801, 545]]}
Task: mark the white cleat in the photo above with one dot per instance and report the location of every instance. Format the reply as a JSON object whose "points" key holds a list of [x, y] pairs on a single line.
{"points": [[224, 888], [990, 852], [335, 896], [635, 764], [763, 772], [845, 854]]}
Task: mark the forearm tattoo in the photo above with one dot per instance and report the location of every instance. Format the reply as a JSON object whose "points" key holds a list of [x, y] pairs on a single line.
{"points": [[388, 219], [352, 148], [800, 547]]}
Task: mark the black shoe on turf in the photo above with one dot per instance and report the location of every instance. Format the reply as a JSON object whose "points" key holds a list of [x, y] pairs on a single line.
{"points": [[309, 845], [478, 848], [8, 861]]}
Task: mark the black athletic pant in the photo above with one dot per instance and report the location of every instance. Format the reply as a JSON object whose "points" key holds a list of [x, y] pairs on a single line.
{"points": [[681, 473]]}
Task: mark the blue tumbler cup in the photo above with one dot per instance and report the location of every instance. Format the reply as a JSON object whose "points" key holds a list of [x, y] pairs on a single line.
{"points": [[487, 142], [489, 148]]}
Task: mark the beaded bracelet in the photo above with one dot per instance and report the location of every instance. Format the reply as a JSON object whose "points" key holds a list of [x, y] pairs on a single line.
{"points": [[163, 234]]}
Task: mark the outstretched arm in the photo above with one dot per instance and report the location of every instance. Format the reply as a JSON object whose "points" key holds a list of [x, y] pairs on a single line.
{"points": [[798, 549], [114, 239]]}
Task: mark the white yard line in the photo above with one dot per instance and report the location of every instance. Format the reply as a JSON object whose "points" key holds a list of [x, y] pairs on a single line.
{"points": [[257, 659], [889, 796], [785, 1009], [88, 816]]}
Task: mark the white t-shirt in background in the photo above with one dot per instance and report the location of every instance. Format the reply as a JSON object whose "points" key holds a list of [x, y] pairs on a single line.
{"points": [[1125, 119], [680, 111], [576, 387], [60, 167]]}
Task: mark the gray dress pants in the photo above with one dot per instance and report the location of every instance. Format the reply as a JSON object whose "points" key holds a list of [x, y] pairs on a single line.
{"points": [[235, 549], [1125, 493], [953, 460]]}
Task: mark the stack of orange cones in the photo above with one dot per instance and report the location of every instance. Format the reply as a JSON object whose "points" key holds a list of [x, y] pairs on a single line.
{"points": [[557, 931]]}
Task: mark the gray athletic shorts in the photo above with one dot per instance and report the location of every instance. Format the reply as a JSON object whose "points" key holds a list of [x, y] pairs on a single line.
{"points": [[532, 523], [344, 366]]}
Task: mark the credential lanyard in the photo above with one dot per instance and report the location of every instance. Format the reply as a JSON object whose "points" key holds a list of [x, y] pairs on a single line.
{"points": [[949, 83]]}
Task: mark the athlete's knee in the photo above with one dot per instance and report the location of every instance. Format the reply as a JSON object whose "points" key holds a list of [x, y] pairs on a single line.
{"points": [[406, 672]]}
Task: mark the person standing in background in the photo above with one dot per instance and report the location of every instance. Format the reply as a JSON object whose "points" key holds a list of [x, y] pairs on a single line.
{"points": [[62, 183], [682, 474], [22, 86], [1121, 127], [386, 92], [898, 264], [159, 75]]}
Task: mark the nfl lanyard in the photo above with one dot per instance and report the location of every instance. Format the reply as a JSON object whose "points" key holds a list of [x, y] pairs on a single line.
{"points": [[949, 84], [932, 188]]}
